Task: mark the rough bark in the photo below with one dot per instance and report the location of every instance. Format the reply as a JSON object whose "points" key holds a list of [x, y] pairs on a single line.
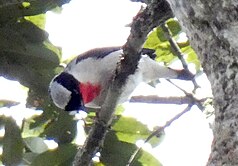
{"points": [[212, 28]]}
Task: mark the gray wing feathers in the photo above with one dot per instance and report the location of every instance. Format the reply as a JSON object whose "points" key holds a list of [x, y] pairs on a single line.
{"points": [[97, 53]]}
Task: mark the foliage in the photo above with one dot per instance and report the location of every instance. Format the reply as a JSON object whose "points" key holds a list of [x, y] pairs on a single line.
{"points": [[117, 152], [157, 41], [26, 55], [12, 143]]}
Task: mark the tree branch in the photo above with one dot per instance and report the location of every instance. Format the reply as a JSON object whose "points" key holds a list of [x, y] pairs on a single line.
{"points": [[189, 95], [154, 99], [154, 14]]}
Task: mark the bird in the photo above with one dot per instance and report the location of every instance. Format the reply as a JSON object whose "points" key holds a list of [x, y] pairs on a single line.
{"points": [[85, 81]]}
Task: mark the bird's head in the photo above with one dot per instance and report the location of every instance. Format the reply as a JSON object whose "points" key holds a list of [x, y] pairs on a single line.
{"points": [[65, 92]]}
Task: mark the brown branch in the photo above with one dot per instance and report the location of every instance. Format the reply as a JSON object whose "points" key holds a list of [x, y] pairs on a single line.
{"points": [[158, 132], [154, 99], [189, 95], [154, 14]]}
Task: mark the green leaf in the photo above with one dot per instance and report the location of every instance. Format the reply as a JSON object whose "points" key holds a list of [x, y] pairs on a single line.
{"points": [[12, 144], [130, 125], [61, 156], [173, 26], [191, 56], [26, 4], [26, 43], [118, 153], [35, 144], [130, 130], [38, 20], [27, 56], [152, 40], [115, 152], [157, 37], [164, 53], [157, 41], [147, 159], [63, 129]]}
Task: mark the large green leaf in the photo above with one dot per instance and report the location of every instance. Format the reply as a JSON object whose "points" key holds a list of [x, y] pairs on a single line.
{"points": [[157, 36], [118, 153], [12, 143], [62, 156], [130, 130], [156, 40], [62, 129], [27, 43], [27, 56]]}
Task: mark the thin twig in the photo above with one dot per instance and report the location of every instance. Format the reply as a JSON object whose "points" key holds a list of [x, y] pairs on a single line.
{"points": [[158, 131], [184, 91], [176, 50], [190, 95]]}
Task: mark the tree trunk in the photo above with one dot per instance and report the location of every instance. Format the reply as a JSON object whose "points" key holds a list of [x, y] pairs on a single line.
{"points": [[212, 27]]}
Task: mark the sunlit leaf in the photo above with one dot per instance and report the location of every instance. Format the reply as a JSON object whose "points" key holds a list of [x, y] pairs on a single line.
{"points": [[191, 56], [174, 26], [38, 20], [26, 4], [12, 143], [157, 41], [152, 40]]}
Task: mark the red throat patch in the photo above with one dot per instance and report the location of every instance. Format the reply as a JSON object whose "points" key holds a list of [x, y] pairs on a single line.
{"points": [[89, 91]]}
